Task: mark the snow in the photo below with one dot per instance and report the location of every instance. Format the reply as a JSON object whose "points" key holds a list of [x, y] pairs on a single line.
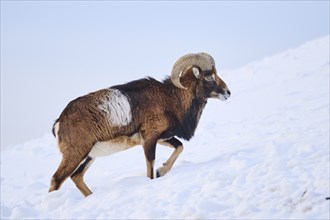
{"points": [[262, 154]]}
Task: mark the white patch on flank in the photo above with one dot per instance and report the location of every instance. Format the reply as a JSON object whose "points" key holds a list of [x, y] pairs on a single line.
{"points": [[104, 148], [117, 107]]}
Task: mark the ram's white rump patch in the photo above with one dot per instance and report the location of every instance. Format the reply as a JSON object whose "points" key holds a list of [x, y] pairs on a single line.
{"points": [[56, 127], [117, 107]]}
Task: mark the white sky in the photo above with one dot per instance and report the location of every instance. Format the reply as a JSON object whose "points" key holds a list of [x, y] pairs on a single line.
{"points": [[54, 51]]}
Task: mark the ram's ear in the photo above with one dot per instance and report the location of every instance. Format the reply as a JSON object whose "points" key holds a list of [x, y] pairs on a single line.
{"points": [[196, 72]]}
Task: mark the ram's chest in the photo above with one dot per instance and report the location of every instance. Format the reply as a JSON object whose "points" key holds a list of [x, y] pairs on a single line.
{"points": [[104, 148]]}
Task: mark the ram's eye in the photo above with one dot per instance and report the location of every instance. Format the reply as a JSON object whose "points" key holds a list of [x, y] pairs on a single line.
{"points": [[210, 78]]}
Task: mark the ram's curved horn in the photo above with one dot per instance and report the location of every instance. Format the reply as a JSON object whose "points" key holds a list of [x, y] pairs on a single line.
{"points": [[202, 60], [209, 57]]}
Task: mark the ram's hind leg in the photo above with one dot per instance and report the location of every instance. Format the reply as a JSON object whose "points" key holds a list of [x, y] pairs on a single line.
{"points": [[78, 176], [67, 166], [177, 145], [72, 158]]}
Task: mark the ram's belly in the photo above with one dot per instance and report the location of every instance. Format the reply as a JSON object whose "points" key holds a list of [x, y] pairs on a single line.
{"points": [[104, 148]]}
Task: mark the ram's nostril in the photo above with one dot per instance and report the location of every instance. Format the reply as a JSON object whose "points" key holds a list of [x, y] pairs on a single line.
{"points": [[228, 92]]}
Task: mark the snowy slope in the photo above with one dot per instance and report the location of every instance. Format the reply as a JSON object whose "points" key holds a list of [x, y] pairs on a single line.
{"points": [[262, 154]]}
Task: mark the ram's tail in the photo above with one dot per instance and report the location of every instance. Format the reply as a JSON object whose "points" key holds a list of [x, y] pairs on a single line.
{"points": [[53, 129]]}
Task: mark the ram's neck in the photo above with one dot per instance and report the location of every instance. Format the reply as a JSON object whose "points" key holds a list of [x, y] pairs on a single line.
{"points": [[190, 108]]}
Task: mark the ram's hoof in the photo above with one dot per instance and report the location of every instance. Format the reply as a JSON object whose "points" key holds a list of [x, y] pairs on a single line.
{"points": [[157, 173]]}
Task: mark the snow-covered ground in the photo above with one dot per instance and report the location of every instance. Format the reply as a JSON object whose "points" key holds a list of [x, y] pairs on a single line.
{"points": [[262, 154]]}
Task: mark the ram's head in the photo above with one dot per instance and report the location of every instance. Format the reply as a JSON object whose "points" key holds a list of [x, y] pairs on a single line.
{"points": [[199, 69]]}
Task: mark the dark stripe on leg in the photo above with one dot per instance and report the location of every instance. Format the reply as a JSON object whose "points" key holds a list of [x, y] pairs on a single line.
{"points": [[174, 142], [82, 166]]}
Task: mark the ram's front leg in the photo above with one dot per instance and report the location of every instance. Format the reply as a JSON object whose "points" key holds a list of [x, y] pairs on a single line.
{"points": [[149, 148], [177, 145]]}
